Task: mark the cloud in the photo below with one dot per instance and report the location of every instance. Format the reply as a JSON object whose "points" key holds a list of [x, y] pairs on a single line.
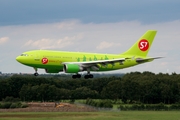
{"points": [[104, 45], [52, 43], [113, 38], [70, 24], [40, 44], [164, 64], [3, 40]]}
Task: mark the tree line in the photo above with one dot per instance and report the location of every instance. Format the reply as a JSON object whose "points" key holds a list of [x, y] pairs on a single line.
{"points": [[134, 87]]}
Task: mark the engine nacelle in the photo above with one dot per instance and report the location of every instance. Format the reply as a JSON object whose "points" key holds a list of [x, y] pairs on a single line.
{"points": [[72, 68]]}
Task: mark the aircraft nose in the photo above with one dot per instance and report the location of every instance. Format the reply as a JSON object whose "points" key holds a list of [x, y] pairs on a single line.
{"points": [[18, 59]]}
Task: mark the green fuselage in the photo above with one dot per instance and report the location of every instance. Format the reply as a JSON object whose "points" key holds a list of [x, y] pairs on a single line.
{"points": [[54, 59], [74, 62]]}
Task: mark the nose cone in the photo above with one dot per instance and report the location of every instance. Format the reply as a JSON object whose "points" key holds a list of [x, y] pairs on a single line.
{"points": [[19, 59], [24, 58]]}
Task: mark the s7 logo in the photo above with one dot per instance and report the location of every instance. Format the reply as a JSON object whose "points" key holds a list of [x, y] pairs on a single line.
{"points": [[44, 60], [143, 45]]}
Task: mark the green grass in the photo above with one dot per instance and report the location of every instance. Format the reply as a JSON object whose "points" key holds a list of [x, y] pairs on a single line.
{"points": [[122, 115]]}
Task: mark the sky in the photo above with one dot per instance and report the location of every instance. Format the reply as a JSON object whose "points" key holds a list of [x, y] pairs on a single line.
{"points": [[99, 26]]}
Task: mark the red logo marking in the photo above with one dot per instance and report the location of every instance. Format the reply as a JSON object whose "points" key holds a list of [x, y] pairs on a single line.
{"points": [[44, 61], [143, 45]]}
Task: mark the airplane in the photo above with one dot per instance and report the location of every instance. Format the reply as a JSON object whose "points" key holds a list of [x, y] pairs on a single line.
{"points": [[75, 62]]}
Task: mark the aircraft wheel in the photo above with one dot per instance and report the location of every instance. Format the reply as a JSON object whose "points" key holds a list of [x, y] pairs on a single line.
{"points": [[86, 76], [78, 76], [91, 76], [36, 74], [74, 76]]}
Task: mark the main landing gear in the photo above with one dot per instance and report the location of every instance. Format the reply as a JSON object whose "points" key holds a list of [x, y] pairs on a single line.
{"points": [[76, 76], [79, 76], [86, 76]]}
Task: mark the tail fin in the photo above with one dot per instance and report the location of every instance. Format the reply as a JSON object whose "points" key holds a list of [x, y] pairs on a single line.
{"points": [[142, 46]]}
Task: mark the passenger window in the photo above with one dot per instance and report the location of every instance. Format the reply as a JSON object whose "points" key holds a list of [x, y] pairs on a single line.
{"points": [[24, 54]]}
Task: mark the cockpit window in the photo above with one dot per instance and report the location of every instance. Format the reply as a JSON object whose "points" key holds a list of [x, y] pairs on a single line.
{"points": [[24, 54]]}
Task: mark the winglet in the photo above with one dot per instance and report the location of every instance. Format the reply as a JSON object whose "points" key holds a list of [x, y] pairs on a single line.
{"points": [[142, 46]]}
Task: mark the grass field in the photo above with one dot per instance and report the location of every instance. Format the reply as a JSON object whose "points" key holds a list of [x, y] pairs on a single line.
{"points": [[122, 115]]}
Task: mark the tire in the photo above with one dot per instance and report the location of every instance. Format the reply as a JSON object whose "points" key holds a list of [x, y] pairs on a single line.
{"points": [[74, 76], [86, 76], [91, 76], [78, 76], [36, 74]]}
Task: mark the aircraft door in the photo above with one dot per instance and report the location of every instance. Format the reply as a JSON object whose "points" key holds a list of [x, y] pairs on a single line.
{"points": [[37, 56]]}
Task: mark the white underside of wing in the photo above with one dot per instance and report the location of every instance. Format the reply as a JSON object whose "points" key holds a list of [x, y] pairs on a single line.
{"points": [[94, 65], [97, 62], [146, 59]]}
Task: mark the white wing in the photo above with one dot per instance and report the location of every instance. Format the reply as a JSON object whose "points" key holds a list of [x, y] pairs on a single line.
{"points": [[94, 64]]}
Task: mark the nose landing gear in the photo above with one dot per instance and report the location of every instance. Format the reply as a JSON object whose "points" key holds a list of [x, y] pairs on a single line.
{"points": [[36, 73]]}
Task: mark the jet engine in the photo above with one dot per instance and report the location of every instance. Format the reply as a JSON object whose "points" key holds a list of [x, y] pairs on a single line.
{"points": [[72, 68]]}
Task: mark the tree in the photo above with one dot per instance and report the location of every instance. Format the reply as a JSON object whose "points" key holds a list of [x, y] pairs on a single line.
{"points": [[84, 93], [113, 90]]}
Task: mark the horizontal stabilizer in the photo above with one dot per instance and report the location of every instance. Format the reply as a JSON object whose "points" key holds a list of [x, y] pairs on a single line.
{"points": [[141, 60]]}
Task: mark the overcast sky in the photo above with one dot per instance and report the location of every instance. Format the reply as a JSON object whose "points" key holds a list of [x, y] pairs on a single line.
{"points": [[99, 26]]}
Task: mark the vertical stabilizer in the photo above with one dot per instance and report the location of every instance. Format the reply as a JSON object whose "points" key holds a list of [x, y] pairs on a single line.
{"points": [[143, 45]]}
